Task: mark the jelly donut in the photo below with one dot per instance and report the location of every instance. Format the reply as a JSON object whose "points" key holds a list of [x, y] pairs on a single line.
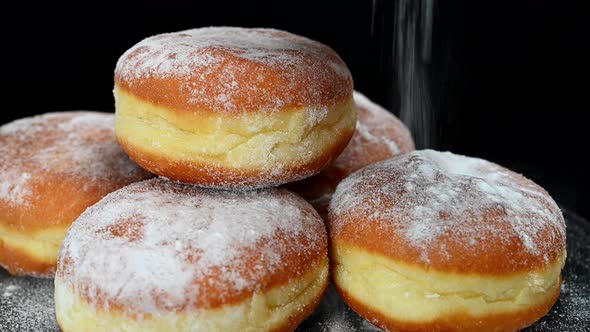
{"points": [[233, 107], [160, 255], [52, 167], [432, 241], [378, 135]]}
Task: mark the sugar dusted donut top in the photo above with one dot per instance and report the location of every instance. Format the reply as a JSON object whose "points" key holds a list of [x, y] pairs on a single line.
{"points": [[378, 135], [59, 147], [449, 212], [224, 69], [162, 245]]}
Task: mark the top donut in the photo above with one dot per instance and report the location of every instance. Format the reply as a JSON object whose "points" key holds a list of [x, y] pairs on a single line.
{"points": [[233, 108], [225, 69]]}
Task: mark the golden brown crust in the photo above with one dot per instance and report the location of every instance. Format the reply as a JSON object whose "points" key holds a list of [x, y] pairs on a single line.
{"points": [[457, 322], [378, 135], [488, 259], [55, 200], [20, 263], [67, 162], [298, 247], [230, 72], [58, 193], [219, 177], [380, 209], [295, 265], [214, 70], [303, 303], [302, 314]]}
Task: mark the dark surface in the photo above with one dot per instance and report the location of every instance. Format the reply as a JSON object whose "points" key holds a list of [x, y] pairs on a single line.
{"points": [[26, 304]]}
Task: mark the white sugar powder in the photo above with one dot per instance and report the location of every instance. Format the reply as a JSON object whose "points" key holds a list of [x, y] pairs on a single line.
{"points": [[78, 144], [180, 234], [425, 195]]}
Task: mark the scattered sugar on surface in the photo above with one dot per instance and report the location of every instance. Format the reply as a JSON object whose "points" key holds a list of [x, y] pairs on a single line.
{"points": [[196, 56], [26, 304], [336, 314], [575, 299], [71, 143], [426, 194], [181, 234], [338, 323], [15, 191], [333, 315], [9, 290], [572, 310]]}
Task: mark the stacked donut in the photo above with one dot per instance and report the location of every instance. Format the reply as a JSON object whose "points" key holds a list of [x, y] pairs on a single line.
{"points": [[222, 115], [419, 240]]}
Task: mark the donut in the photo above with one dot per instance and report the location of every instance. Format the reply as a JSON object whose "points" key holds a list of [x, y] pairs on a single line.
{"points": [[378, 135], [52, 167], [433, 241], [160, 255], [233, 108]]}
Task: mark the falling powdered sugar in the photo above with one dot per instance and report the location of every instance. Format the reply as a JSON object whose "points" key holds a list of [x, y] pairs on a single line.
{"points": [[159, 244]]}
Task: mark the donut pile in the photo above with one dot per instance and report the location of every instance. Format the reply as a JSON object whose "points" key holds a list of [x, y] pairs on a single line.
{"points": [[231, 120]]}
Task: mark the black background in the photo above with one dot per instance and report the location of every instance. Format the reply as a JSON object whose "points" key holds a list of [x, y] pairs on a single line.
{"points": [[509, 80]]}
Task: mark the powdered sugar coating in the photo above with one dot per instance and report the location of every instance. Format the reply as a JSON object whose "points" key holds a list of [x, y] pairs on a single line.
{"points": [[77, 144], [378, 135], [447, 208], [229, 69], [163, 245]]}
